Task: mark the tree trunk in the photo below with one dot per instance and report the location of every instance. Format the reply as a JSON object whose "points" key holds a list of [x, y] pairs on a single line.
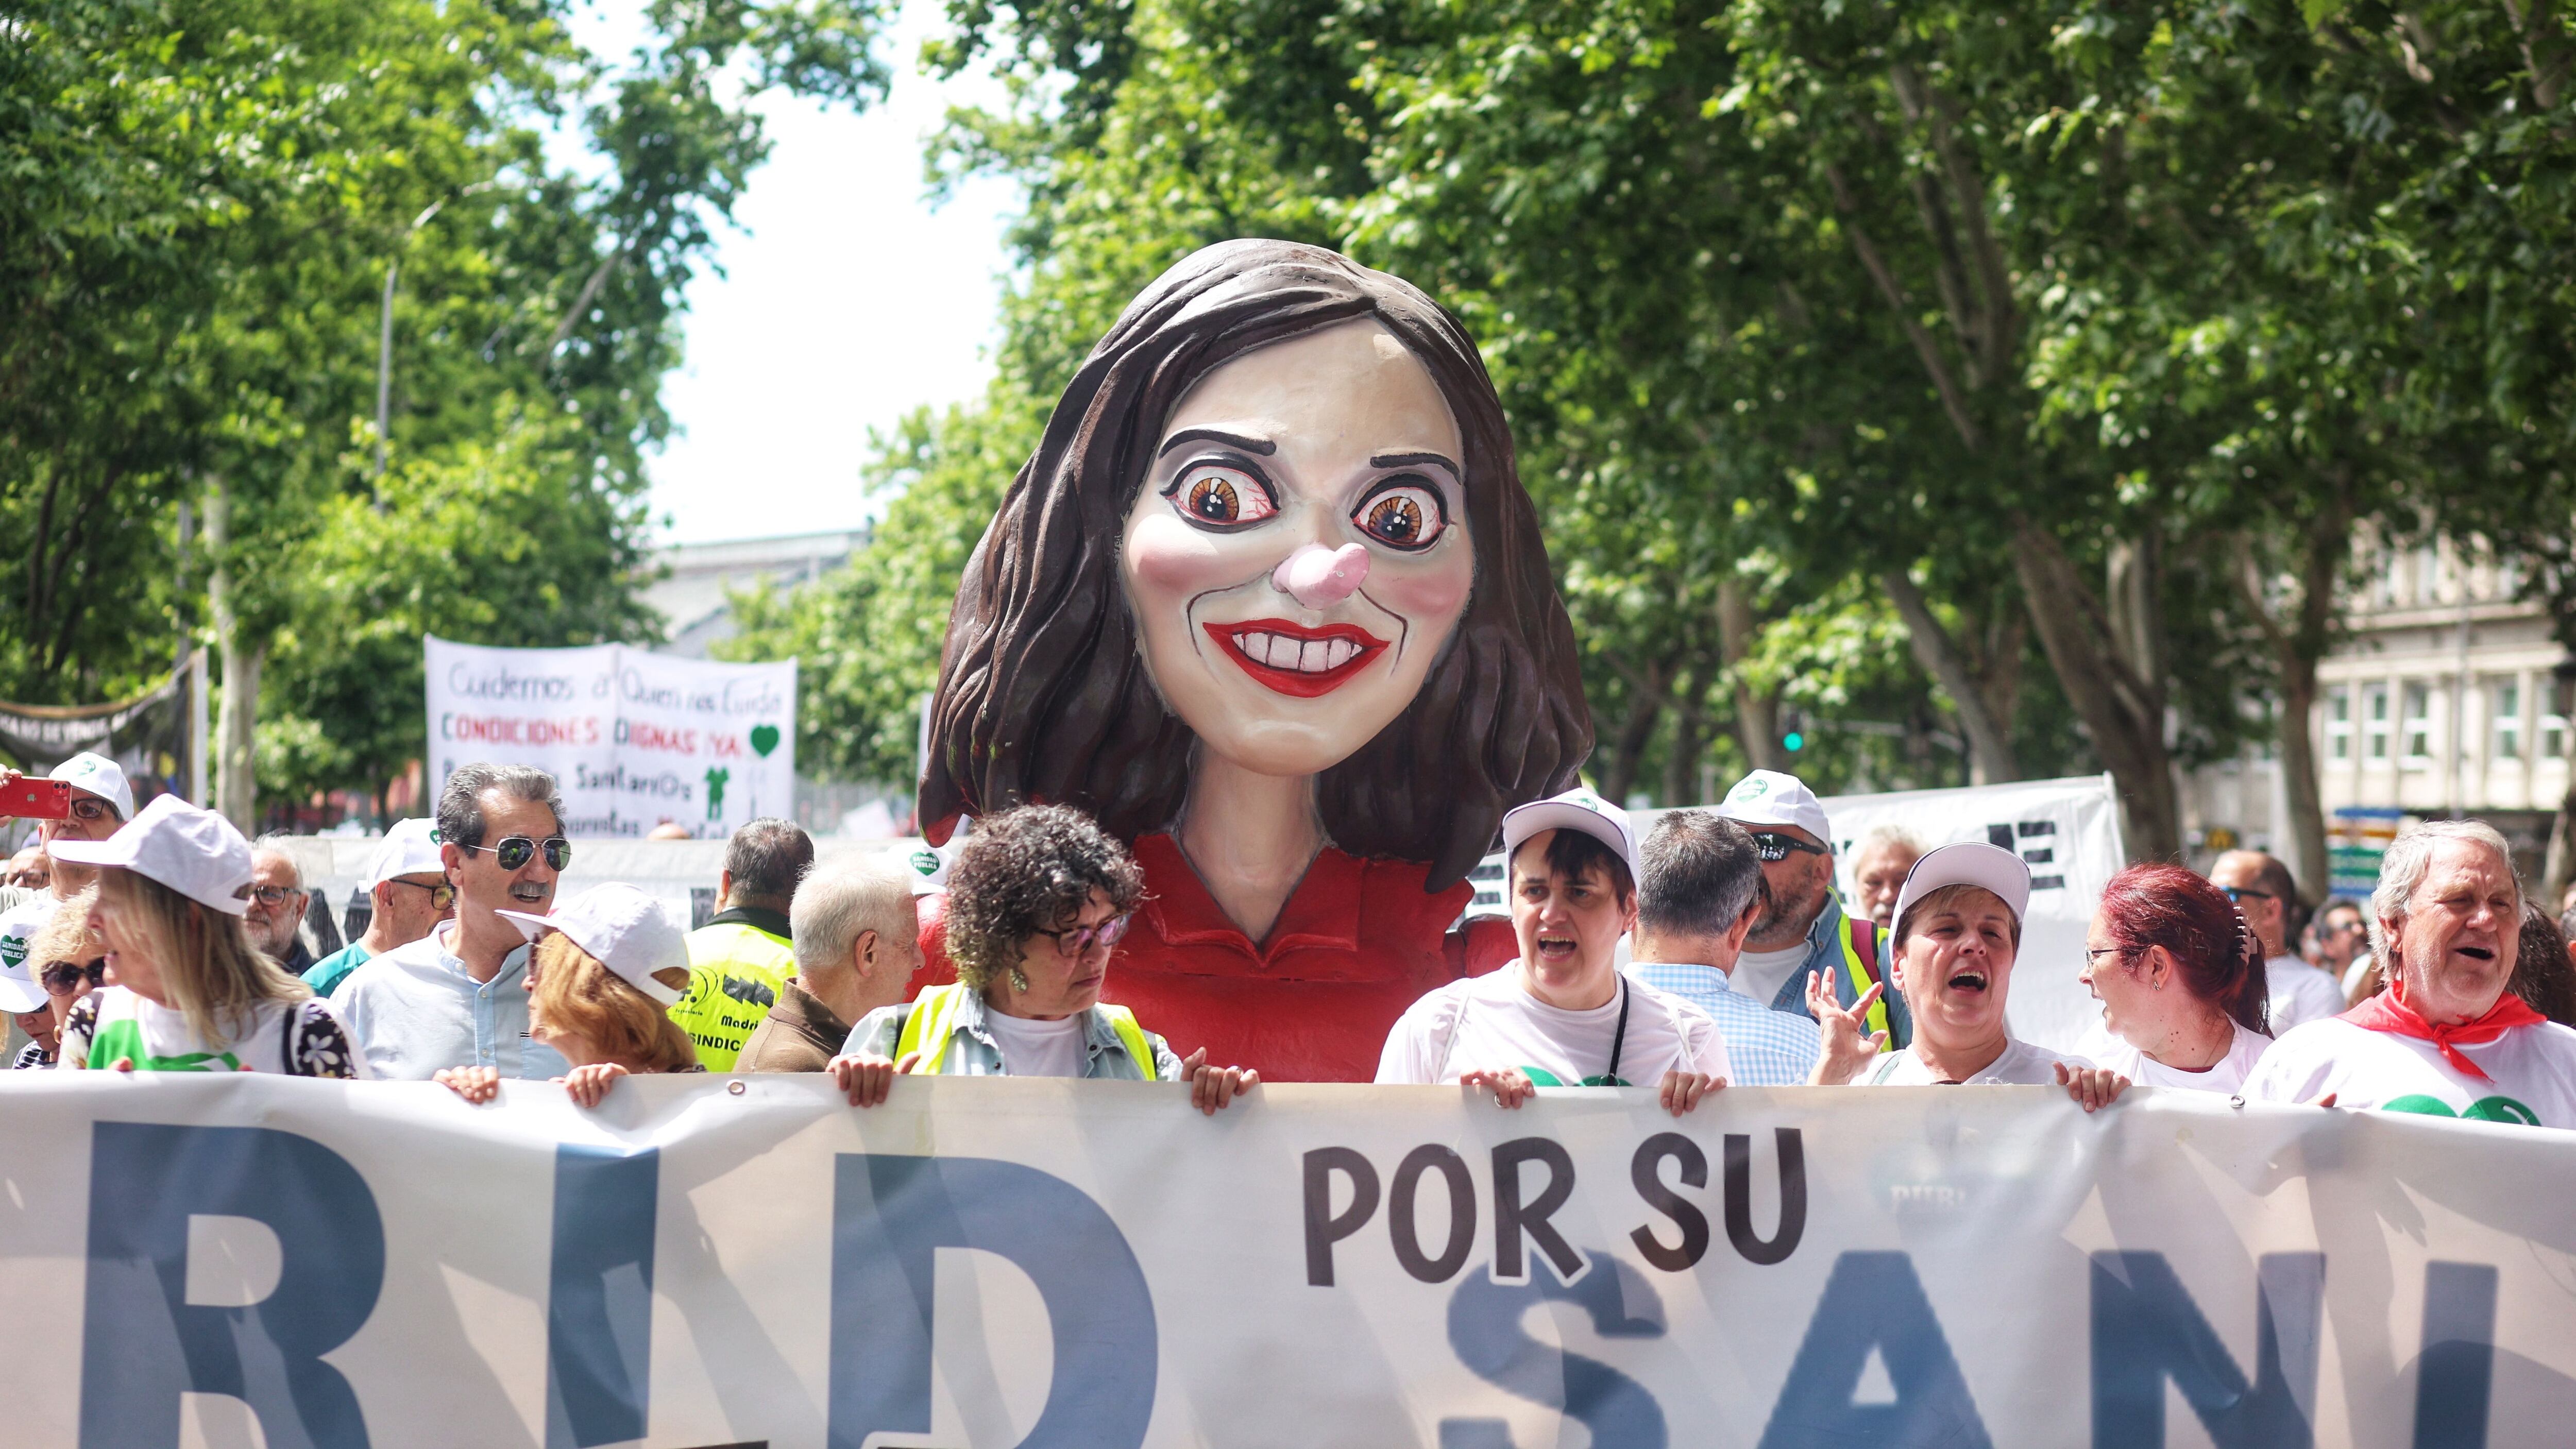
{"points": [[1628, 747], [2123, 713], [2296, 647], [1681, 762], [236, 786], [1757, 716], [1990, 755]]}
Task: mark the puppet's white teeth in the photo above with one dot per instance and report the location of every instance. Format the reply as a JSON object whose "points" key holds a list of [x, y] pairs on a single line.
{"points": [[1340, 652], [1307, 656]]}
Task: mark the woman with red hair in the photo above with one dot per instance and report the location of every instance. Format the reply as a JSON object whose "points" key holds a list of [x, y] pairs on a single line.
{"points": [[2181, 981]]}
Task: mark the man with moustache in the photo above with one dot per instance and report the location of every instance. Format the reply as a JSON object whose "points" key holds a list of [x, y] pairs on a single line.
{"points": [[1803, 927], [456, 997]]}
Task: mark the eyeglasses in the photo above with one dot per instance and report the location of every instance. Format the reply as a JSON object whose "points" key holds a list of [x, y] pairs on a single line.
{"points": [[2242, 894], [2096, 953], [272, 895], [441, 895], [91, 809], [62, 978], [518, 850], [1773, 845], [1082, 938]]}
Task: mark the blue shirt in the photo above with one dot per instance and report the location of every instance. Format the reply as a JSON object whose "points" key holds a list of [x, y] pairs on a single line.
{"points": [[415, 1010], [1764, 1048]]}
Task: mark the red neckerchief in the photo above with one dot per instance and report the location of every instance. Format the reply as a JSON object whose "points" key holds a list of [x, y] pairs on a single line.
{"points": [[2389, 1012]]}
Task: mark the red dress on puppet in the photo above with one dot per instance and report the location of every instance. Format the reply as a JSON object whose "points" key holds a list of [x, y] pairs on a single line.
{"points": [[1358, 942]]}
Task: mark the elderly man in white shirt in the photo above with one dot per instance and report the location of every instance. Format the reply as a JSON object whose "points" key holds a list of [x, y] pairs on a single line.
{"points": [[457, 997], [2446, 1038]]}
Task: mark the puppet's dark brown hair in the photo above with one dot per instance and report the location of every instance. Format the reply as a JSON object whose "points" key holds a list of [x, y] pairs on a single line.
{"points": [[1043, 695]]}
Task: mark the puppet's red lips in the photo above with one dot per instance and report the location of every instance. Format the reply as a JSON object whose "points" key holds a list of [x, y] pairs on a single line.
{"points": [[1297, 659]]}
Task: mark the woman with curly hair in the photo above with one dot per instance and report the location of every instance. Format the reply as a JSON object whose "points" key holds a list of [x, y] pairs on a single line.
{"points": [[1037, 900]]}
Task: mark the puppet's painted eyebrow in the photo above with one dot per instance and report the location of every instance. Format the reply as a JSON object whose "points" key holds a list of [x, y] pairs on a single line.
{"points": [[1262, 446], [1416, 460]]}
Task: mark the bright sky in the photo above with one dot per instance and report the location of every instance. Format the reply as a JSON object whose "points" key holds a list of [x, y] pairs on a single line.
{"points": [[844, 301]]}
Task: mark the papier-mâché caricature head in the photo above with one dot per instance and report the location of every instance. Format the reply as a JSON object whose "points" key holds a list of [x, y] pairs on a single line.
{"points": [[1274, 516]]}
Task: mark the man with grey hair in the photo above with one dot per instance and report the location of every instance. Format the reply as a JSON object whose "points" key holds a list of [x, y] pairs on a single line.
{"points": [[458, 997], [2446, 1038], [277, 900], [857, 947], [1699, 891], [1879, 867], [2268, 898], [746, 951]]}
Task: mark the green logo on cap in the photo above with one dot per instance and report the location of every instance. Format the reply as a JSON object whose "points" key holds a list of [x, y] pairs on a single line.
{"points": [[927, 862], [13, 951]]}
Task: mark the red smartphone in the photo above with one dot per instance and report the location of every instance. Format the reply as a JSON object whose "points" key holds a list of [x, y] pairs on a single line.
{"points": [[27, 799]]}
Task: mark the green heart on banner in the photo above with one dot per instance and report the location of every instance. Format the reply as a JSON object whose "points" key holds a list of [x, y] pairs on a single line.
{"points": [[764, 738]]}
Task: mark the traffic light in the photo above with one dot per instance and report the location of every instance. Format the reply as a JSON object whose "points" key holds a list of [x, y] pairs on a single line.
{"points": [[1793, 730]]}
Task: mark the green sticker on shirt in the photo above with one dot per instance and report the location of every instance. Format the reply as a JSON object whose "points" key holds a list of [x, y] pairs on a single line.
{"points": [[2484, 1109], [122, 1040]]}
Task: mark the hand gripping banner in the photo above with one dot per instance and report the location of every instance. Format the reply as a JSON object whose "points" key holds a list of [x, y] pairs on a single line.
{"points": [[237, 1261]]}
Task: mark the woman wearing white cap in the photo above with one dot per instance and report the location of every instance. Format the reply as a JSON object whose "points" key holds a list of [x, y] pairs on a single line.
{"points": [[1563, 1015], [1958, 927], [186, 989], [608, 966]]}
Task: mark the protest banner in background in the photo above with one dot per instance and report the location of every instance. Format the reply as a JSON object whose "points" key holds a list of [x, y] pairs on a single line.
{"points": [[636, 739], [1076, 1265], [2067, 832], [147, 734]]}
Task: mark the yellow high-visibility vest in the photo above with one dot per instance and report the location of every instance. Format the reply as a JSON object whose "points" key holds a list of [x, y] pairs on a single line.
{"points": [[934, 1018]]}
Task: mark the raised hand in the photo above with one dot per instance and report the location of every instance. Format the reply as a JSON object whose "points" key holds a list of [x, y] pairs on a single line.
{"points": [[1848, 1045]]}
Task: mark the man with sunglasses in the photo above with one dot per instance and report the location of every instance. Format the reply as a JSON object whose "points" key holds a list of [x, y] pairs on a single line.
{"points": [[1803, 927], [2267, 897], [407, 894], [456, 997]]}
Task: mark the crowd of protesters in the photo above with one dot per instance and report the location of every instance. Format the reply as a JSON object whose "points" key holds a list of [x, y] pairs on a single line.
{"points": [[1711, 951]]}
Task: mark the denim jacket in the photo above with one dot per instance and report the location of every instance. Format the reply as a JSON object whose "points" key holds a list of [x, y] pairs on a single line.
{"points": [[1825, 953], [970, 1050]]}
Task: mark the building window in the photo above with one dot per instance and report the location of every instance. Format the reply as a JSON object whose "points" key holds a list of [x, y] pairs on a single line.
{"points": [[2339, 723], [2507, 696], [2553, 724], [2375, 719], [2416, 718]]}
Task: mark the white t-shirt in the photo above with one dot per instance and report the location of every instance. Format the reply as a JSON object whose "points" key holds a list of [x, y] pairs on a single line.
{"points": [[1033, 1048], [1490, 1022], [1761, 974], [117, 1025], [2533, 1067], [2226, 1075], [19, 989], [2300, 993], [2021, 1065]]}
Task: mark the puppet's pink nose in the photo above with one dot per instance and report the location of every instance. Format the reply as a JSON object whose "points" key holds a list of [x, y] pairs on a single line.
{"points": [[1318, 577]]}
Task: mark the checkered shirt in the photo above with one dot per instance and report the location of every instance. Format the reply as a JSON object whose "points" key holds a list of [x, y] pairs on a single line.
{"points": [[1764, 1048]]}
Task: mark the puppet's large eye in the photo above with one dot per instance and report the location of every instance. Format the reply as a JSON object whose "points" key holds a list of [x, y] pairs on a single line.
{"points": [[1404, 513], [1220, 497]]}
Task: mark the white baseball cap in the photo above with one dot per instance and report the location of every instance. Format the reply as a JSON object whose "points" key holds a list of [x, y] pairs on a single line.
{"points": [[100, 776], [1970, 862], [19, 988], [410, 848], [193, 851], [1768, 797], [628, 931], [1576, 809]]}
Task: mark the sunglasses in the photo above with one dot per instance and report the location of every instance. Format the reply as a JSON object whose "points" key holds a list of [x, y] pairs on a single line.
{"points": [[1772, 845], [62, 978], [1083, 938], [518, 850], [442, 895], [2242, 894]]}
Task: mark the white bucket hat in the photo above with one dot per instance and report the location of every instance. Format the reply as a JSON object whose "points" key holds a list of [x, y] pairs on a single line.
{"points": [[626, 930], [1973, 863], [100, 776], [193, 851], [1770, 798], [1576, 809], [409, 848]]}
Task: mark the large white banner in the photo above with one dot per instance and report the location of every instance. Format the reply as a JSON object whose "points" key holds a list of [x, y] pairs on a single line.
{"points": [[636, 739], [2067, 832], [228, 1261]]}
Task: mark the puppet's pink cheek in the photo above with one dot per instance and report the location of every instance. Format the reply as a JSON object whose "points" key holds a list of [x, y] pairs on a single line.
{"points": [[1428, 596], [1175, 558]]}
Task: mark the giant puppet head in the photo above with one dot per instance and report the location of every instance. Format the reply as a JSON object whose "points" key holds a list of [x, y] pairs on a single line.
{"points": [[1275, 527]]}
